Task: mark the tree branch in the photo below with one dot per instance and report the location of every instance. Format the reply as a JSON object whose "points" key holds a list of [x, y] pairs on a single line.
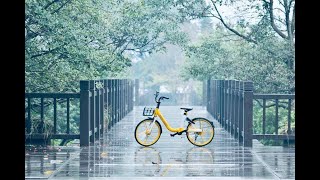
{"points": [[280, 21], [57, 10], [42, 53], [271, 105], [272, 21], [31, 35], [125, 47], [279, 9], [50, 3], [144, 45], [229, 28], [281, 2], [47, 52], [288, 24], [290, 3], [293, 19]]}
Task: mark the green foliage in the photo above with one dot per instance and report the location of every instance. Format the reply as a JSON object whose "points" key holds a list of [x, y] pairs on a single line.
{"points": [[244, 44], [66, 41], [271, 119], [271, 116], [237, 59], [48, 116]]}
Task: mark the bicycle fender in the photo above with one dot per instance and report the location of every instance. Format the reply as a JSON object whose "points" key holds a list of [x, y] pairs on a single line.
{"points": [[151, 118], [205, 119]]}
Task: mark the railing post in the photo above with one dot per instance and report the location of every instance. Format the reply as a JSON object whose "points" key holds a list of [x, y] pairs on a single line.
{"points": [[219, 100], [84, 113], [208, 97], [129, 91], [92, 110], [289, 116], [29, 117], [122, 99], [241, 132], [214, 99], [233, 105], [127, 94], [204, 94], [97, 109], [125, 97], [229, 105], [136, 92], [109, 90], [248, 113], [105, 105], [41, 125], [225, 104], [208, 90], [221, 104], [118, 100], [132, 98], [113, 94], [102, 94], [237, 97]]}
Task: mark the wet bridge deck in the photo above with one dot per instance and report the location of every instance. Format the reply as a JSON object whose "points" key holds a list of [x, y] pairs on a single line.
{"points": [[120, 157]]}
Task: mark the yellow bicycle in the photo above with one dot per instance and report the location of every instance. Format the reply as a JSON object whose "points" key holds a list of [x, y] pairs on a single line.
{"points": [[199, 131]]}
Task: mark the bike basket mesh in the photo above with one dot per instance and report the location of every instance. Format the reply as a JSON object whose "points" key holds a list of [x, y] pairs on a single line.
{"points": [[148, 111]]}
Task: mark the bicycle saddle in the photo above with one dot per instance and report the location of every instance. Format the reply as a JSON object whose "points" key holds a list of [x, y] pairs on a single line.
{"points": [[186, 109]]}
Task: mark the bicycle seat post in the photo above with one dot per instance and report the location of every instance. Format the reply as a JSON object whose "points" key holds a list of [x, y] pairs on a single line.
{"points": [[183, 120]]}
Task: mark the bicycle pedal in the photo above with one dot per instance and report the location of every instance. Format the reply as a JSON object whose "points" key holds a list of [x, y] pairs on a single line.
{"points": [[172, 135]]}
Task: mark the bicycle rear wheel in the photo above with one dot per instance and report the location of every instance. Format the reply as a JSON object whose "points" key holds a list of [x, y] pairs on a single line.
{"points": [[146, 136], [200, 138]]}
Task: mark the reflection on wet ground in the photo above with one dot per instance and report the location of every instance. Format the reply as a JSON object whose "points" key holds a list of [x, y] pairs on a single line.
{"points": [[118, 156]]}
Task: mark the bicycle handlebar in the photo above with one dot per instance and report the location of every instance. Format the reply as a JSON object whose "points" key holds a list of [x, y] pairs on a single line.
{"points": [[156, 95], [162, 97]]}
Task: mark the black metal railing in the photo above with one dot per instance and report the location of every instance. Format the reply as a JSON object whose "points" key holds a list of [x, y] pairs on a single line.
{"points": [[41, 104], [116, 98], [231, 103], [283, 101], [101, 104]]}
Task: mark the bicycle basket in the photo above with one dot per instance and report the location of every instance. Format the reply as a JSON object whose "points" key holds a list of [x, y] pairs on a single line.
{"points": [[148, 111]]}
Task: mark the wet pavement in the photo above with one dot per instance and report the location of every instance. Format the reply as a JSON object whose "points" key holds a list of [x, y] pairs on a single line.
{"points": [[119, 156]]}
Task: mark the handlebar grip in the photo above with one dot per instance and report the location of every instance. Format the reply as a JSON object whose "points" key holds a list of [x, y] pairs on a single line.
{"points": [[165, 98]]}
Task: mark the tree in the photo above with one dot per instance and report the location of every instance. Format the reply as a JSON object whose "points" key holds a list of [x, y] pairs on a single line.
{"points": [[266, 29], [66, 41], [223, 57]]}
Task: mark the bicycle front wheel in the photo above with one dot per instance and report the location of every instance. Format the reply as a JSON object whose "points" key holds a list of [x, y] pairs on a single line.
{"points": [[200, 138], [147, 133]]}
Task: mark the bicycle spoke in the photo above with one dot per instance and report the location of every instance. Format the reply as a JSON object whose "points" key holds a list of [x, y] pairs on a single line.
{"points": [[195, 137], [142, 132], [146, 139], [206, 127], [202, 139], [145, 124]]}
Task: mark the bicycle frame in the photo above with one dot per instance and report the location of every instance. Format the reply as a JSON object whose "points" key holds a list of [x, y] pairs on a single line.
{"points": [[157, 113]]}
